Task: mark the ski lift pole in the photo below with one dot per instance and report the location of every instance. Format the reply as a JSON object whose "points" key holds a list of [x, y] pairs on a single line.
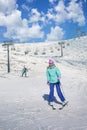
{"points": [[7, 44], [61, 45]]}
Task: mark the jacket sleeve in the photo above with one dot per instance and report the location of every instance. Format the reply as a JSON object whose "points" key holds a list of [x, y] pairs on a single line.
{"points": [[48, 76], [58, 72]]}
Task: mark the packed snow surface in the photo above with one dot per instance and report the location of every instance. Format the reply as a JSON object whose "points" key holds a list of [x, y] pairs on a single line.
{"points": [[24, 100]]}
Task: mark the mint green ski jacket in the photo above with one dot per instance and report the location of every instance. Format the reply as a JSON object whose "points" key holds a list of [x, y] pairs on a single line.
{"points": [[52, 74]]}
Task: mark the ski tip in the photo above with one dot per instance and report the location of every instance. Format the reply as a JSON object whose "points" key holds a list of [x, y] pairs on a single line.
{"points": [[63, 105], [53, 108]]}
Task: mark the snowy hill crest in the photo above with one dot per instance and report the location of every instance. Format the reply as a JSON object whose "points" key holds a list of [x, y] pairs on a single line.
{"points": [[74, 53]]}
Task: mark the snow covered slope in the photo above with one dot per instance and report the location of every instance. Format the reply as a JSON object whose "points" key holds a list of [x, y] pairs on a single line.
{"points": [[24, 101]]}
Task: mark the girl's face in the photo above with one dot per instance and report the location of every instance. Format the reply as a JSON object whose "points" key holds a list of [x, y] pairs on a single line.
{"points": [[51, 64]]}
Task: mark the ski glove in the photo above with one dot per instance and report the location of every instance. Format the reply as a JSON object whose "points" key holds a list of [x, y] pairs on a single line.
{"points": [[59, 78], [48, 83]]}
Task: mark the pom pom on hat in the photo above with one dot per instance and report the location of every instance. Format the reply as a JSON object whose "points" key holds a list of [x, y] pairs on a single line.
{"points": [[51, 61]]}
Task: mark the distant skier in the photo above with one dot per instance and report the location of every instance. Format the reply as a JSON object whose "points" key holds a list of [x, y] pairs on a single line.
{"points": [[24, 71], [53, 79]]}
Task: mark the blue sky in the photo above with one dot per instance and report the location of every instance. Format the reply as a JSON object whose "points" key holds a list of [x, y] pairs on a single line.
{"points": [[42, 20]]}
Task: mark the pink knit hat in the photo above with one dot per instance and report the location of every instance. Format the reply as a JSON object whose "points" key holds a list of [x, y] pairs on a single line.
{"points": [[51, 61]]}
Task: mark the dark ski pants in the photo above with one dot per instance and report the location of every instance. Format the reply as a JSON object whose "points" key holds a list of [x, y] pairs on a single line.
{"points": [[24, 73], [59, 92]]}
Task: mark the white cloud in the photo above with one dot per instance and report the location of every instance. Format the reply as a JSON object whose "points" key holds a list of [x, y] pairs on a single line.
{"points": [[35, 31], [55, 34], [75, 13], [52, 1], [2, 19], [60, 7], [72, 12], [14, 19], [18, 28], [7, 6], [23, 32], [36, 16], [58, 14], [11, 21], [50, 14], [61, 15]]}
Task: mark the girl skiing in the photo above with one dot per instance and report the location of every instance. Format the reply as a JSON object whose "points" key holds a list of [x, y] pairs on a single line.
{"points": [[53, 79]]}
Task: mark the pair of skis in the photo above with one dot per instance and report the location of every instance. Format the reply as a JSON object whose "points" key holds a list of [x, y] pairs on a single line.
{"points": [[63, 106], [60, 108]]}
